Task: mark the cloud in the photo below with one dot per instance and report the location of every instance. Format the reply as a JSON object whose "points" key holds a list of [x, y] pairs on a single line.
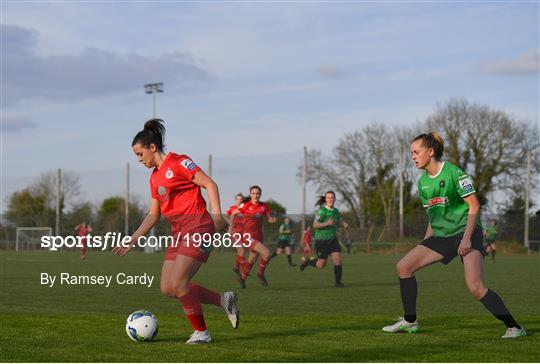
{"points": [[12, 124], [92, 73], [331, 72], [527, 63]]}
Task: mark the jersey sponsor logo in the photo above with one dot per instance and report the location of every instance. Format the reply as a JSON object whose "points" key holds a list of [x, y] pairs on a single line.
{"points": [[188, 164], [465, 183], [169, 174], [436, 201]]}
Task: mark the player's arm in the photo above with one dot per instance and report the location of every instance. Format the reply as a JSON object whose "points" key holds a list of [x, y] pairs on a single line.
{"points": [[271, 219], [146, 225], [320, 225], [201, 179], [474, 208]]}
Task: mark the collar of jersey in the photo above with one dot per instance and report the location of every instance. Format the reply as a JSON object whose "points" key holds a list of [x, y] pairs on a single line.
{"points": [[165, 160], [326, 207], [437, 175]]}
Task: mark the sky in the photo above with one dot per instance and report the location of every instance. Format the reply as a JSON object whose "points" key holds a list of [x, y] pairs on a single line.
{"points": [[249, 82]]}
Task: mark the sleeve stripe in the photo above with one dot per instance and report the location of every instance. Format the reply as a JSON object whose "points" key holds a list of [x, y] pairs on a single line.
{"points": [[467, 194]]}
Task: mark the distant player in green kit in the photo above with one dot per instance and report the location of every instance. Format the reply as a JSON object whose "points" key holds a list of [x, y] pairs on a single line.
{"points": [[325, 225], [284, 241], [490, 234], [449, 197]]}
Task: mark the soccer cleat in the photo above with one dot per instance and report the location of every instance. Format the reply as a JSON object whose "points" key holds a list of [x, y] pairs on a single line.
{"points": [[263, 280], [402, 326], [199, 337], [339, 285], [228, 304], [242, 281], [514, 332]]}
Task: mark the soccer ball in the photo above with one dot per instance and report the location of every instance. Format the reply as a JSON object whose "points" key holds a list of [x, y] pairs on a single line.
{"points": [[142, 325]]}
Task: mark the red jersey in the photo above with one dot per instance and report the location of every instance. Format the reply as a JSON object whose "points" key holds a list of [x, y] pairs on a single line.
{"points": [[254, 218], [83, 231], [180, 199], [307, 237], [238, 222]]}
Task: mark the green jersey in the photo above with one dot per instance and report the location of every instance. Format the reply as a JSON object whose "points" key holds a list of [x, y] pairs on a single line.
{"points": [[442, 195], [491, 233], [284, 232], [329, 232]]}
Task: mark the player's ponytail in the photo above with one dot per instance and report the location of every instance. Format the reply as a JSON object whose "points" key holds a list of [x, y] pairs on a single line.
{"points": [[432, 140], [152, 133]]}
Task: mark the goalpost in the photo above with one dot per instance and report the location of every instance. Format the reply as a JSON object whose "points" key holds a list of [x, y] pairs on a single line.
{"points": [[30, 237]]}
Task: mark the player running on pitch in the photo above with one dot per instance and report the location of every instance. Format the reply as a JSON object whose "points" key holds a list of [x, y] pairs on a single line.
{"points": [[449, 197], [254, 212], [325, 225], [307, 239], [284, 242], [175, 185], [236, 223], [83, 230]]}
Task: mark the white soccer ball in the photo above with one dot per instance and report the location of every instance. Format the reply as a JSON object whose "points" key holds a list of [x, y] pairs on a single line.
{"points": [[142, 325]]}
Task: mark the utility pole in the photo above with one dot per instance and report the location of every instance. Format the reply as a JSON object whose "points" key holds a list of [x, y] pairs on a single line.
{"points": [[126, 220], [304, 180], [58, 185]]}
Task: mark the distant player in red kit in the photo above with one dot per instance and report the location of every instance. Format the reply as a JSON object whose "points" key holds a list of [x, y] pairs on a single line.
{"points": [[236, 223], [83, 230], [307, 239], [175, 185], [254, 212]]}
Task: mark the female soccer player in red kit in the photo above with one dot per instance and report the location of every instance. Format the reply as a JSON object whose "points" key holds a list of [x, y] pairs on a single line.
{"points": [[236, 223], [83, 230], [254, 212], [175, 185]]}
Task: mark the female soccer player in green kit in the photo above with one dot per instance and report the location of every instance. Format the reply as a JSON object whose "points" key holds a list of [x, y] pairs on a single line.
{"points": [[325, 225], [449, 197]]}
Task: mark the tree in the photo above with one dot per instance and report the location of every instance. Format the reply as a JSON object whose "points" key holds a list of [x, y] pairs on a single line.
{"points": [[111, 214], [489, 144], [46, 185], [28, 208]]}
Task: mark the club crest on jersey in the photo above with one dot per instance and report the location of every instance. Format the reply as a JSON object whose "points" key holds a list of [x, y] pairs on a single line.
{"points": [[188, 164], [465, 183], [438, 201], [169, 174], [441, 184]]}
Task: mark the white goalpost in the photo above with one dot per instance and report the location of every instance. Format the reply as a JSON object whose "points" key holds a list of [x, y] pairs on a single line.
{"points": [[30, 237]]}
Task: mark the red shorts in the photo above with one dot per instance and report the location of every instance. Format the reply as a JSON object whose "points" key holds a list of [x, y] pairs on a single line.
{"points": [[188, 248]]}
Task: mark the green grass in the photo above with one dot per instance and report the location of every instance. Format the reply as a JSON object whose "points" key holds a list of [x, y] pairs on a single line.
{"points": [[300, 317]]}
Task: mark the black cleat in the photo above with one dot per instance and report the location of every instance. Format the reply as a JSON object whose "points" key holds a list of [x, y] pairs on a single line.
{"points": [[242, 282], [339, 285]]}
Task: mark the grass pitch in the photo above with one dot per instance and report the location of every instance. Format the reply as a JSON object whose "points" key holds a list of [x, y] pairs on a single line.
{"points": [[300, 317]]}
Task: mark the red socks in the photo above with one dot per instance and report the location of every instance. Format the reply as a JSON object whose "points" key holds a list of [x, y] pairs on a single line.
{"points": [[193, 310], [247, 269], [206, 296], [262, 266], [240, 261]]}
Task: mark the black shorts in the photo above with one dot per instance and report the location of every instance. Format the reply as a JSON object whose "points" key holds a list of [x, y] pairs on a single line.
{"points": [[282, 243], [326, 247], [448, 246]]}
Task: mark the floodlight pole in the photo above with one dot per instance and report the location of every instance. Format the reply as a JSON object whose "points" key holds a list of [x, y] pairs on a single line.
{"points": [[527, 193], [304, 179], [126, 220], [401, 162], [58, 184], [151, 88]]}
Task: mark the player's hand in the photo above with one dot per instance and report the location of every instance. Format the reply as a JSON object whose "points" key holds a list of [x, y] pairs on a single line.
{"points": [[272, 219], [464, 247], [122, 250], [330, 222], [221, 224]]}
